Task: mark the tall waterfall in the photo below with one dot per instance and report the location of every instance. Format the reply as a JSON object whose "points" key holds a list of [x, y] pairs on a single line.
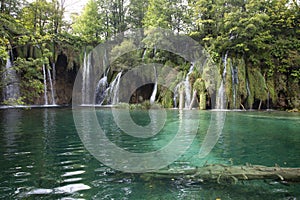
{"points": [[86, 86], [104, 92], [11, 80], [51, 87], [187, 87], [114, 89], [152, 98], [176, 90], [221, 95], [46, 86]]}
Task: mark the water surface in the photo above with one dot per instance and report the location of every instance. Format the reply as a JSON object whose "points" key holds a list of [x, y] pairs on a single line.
{"points": [[42, 156]]}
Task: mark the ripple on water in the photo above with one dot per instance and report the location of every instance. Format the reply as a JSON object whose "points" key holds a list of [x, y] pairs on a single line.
{"points": [[73, 173], [67, 189]]}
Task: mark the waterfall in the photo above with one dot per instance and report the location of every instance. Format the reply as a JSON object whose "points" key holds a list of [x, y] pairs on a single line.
{"points": [[109, 93], [51, 87], [187, 90], [86, 79], [187, 87], [114, 89], [45, 85], [176, 89], [101, 90], [152, 98], [234, 78], [221, 98], [144, 54], [11, 80]]}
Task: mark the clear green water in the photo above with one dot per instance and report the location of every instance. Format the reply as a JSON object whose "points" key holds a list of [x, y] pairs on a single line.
{"points": [[42, 157]]}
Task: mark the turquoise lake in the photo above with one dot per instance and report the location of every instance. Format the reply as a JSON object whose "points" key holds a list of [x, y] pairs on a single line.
{"points": [[43, 157]]}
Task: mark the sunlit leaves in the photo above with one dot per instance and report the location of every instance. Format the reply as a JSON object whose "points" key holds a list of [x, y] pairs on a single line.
{"points": [[89, 25]]}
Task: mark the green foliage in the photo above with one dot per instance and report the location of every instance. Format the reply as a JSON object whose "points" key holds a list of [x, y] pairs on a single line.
{"points": [[271, 89], [165, 97], [156, 15], [258, 87], [122, 59], [136, 13], [173, 15], [199, 85], [89, 25], [31, 70], [14, 102]]}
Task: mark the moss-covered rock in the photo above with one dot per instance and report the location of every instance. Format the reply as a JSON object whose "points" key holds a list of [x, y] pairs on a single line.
{"points": [[199, 86], [257, 85]]}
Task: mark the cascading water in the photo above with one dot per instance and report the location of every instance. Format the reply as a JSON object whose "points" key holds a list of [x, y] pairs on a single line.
{"points": [[144, 54], [11, 80], [109, 93], [114, 89], [187, 87], [176, 90], [152, 98], [86, 79], [101, 90], [221, 96], [51, 87], [45, 85], [46, 88]]}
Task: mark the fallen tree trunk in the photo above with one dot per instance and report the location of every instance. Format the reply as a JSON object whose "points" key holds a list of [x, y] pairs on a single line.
{"points": [[231, 173]]}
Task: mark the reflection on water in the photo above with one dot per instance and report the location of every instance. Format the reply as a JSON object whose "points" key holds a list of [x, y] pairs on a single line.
{"points": [[42, 157], [117, 153], [12, 120]]}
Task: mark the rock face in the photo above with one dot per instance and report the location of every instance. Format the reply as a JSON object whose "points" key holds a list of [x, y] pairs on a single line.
{"points": [[64, 81]]}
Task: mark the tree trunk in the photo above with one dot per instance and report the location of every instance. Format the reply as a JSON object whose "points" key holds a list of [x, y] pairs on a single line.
{"points": [[230, 173]]}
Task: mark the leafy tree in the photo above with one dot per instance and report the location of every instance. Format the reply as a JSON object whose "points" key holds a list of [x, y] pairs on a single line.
{"points": [[89, 24], [11, 7], [136, 13], [157, 14]]}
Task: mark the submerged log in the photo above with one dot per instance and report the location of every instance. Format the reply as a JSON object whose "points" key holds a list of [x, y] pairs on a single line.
{"points": [[230, 173]]}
